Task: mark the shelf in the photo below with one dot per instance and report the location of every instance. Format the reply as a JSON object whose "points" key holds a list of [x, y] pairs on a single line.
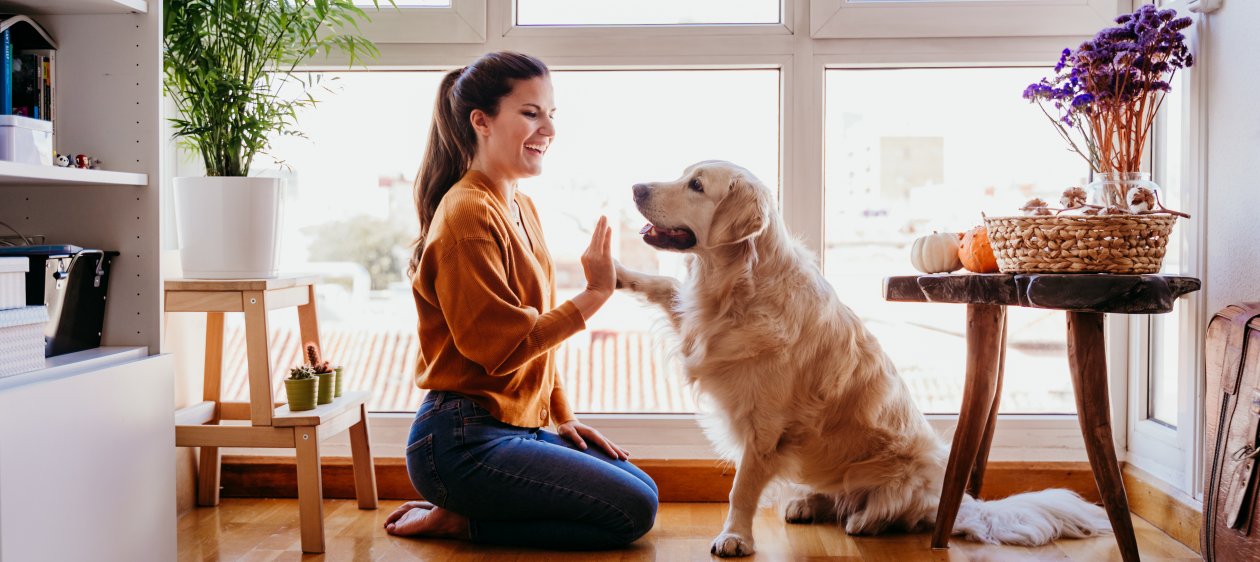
{"points": [[74, 6], [76, 363], [13, 173]]}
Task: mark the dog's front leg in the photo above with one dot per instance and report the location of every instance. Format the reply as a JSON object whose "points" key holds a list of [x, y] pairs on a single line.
{"points": [[754, 472], [660, 290]]}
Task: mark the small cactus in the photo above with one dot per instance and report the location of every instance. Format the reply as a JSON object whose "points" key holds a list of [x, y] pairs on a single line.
{"points": [[313, 359], [301, 372]]}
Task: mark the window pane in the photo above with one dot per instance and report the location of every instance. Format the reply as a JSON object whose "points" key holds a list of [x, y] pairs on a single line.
{"points": [[645, 12], [1166, 328], [911, 151], [616, 129], [348, 215]]}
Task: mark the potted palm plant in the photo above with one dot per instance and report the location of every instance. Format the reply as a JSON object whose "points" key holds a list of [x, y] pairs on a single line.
{"points": [[225, 61]]}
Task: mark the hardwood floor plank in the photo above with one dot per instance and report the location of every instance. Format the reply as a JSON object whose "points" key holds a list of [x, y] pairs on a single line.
{"points": [[260, 529]]}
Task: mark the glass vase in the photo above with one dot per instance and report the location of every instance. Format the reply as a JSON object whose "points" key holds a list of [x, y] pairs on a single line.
{"points": [[1112, 189]]}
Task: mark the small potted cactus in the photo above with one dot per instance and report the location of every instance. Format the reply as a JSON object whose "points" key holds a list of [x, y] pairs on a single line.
{"points": [[300, 388], [324, 372]]}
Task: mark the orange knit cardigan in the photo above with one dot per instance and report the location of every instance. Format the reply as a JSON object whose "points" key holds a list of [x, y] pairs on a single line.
{"points": [[488, 319]]}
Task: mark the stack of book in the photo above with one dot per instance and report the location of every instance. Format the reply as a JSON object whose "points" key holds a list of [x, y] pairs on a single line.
{"points": [[28, 62]]}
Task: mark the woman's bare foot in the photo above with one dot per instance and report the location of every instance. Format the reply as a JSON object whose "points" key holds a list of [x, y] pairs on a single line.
{"points": [[425, 520]]}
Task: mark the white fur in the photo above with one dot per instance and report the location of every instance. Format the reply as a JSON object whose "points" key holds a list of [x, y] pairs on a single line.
{"points": [[802, 391]]}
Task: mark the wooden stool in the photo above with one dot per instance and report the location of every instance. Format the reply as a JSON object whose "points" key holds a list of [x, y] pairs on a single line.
{"points": [[1085, 298], [271, 425]]}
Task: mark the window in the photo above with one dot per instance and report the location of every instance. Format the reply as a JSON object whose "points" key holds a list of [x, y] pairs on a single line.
{"points": [[812, 112], [348, 216], [916, 150], [617, 128], [960, 18], [1166, 371], [646, 12], [353, 223]]}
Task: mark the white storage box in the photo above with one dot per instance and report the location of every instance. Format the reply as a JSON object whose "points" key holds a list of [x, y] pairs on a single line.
{"points": [[26, 140], [13, 282], [22, 339]]}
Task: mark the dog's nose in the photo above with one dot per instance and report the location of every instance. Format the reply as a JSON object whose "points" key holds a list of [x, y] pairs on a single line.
{"points": [[640, 192]]}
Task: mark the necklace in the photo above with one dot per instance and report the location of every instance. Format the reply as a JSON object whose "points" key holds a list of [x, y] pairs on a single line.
{"points": [[516, 214]]}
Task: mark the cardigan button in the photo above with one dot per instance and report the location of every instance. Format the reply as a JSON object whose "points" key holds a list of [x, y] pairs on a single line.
{"points": [[543, 414]]}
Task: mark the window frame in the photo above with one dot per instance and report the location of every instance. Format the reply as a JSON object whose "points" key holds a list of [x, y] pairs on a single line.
{"points": [[1174, 453], [784, 27], [959, 18], [802, 59]]}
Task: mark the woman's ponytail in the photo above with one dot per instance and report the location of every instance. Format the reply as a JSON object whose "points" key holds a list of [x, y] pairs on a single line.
{"points": [[452, 140]]}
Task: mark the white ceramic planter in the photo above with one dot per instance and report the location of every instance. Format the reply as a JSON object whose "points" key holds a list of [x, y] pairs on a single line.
{"points": [[229, 227]]}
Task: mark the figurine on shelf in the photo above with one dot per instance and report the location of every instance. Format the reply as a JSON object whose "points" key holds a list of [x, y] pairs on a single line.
{"points": [[62, 161], [86, 162]]}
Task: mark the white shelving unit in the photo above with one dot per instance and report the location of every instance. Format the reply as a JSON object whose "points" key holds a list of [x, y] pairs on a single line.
{"points": [[76, 7], [95, 429], [14, 173]]}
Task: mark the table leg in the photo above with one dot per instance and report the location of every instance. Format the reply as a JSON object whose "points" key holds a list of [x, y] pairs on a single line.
{"points": [[982, 456], [208, 470], [1088, 360], [984, 326], [308, 324]]}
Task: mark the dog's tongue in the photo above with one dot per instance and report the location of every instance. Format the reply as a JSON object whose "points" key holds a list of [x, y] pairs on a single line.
{"points": [[646, 228]]}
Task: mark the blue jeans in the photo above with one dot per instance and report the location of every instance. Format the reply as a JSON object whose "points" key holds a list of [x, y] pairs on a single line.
{"points": [[524, 487]]}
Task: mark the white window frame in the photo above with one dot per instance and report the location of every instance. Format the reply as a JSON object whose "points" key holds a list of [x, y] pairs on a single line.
{"points": [[1174, 454], [960, 18], [1018, 437]]}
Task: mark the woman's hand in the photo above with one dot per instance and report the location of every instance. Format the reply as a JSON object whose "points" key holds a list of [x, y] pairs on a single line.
{"points": [[597, 260], [579, 433], [601, 277]]}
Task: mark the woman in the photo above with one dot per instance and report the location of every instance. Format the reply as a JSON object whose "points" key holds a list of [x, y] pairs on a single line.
{"points": [[485, 292]]}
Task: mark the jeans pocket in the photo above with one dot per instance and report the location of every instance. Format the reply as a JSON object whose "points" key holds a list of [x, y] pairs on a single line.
{"points": [[422, 468]]}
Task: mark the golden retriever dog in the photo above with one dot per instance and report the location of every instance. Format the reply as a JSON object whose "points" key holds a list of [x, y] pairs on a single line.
{"points": [[801, 391]]}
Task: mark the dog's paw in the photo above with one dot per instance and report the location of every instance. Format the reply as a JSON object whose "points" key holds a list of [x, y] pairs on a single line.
{"points": [[730, 544], [799, 510], [626, 279], [862, 523]]}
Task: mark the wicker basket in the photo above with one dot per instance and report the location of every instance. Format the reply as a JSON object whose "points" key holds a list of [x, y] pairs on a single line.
{"points": [[1080, 243]]}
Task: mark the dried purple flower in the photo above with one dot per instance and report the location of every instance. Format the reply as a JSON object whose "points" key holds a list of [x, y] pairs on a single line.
{"points": [[1113, 84]]}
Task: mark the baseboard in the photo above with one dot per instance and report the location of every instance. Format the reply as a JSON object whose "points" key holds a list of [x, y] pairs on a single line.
{"points": [[679, 480], [1168, 509]]}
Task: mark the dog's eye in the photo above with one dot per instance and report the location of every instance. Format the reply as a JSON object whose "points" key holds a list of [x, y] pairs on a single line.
{"points": [[695, 186]]}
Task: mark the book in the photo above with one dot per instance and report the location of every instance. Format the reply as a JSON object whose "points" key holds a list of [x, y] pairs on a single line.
{"points": [[6, 73], [45, 82], [26, 95]]}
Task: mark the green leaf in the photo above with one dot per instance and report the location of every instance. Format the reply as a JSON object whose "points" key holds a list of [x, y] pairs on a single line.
{"points": [[225, 61]]}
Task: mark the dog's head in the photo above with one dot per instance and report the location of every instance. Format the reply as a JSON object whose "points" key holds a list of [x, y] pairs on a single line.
{"points": [[713, 204]]}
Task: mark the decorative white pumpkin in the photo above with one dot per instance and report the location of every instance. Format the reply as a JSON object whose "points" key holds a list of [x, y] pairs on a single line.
{"points": [[936, 253]]}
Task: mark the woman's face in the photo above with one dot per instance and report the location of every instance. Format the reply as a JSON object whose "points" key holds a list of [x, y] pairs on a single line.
{"points": [[512, 143]]}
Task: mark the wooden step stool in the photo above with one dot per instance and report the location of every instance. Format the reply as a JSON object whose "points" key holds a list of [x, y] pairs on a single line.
{"points": [[271, 425]]}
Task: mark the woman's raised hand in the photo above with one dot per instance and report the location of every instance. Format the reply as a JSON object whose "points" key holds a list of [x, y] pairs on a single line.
{"points": [[597, 262]]}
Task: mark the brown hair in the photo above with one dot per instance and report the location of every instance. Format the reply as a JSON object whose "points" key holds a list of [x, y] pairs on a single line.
{"points": [[452, 141]]}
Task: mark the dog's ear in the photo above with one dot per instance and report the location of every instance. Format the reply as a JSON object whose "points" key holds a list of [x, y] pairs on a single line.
{"points": [[741, 214]]}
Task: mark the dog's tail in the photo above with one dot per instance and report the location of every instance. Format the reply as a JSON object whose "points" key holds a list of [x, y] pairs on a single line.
{"points": [[1030, 519]]}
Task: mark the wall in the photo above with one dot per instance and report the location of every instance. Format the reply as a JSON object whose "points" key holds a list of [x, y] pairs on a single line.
{"points": [[1233, 248]]}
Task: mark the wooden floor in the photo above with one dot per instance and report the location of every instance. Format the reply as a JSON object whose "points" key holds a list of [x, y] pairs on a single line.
{"points": [[266, 529]]}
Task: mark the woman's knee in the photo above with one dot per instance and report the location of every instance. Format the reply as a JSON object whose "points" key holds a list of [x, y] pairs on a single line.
{"points": [[640, 510]]}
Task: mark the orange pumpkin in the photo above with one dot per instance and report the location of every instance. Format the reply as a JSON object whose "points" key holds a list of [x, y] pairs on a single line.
{"points": [[976, 252]]}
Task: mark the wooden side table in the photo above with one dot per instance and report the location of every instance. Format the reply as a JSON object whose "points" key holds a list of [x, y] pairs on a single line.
{"points": [[1086, 298], [271, 424]]}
